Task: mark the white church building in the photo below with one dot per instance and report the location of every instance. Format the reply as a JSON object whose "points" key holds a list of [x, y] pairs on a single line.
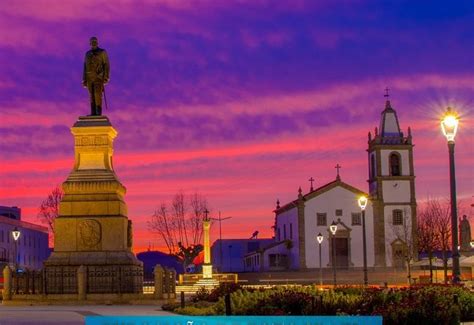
{"points": [[389, 214]]}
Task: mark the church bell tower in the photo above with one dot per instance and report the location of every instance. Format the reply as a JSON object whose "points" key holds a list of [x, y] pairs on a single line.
{"points": [[392, 190]]}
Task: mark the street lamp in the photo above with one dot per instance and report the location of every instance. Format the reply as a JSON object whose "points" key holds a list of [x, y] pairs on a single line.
{"points": [[320, 238], [362, 204], [16, 235], [449, 125], [333, 229]]}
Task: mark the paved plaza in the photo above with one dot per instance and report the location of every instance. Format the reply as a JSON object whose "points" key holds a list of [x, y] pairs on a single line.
{"points": [[70, 315]]}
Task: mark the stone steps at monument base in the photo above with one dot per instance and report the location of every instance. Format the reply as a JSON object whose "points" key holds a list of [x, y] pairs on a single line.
{"points": [[209, 284]]}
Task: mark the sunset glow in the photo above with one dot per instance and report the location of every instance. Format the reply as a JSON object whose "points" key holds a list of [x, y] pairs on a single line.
{"points": [[240, 101]]}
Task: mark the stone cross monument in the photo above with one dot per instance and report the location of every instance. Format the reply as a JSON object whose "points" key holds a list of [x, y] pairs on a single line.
{"points": [[207, 266]]}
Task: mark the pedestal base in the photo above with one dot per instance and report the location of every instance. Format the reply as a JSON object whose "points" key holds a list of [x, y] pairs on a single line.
{"points": [[105, 272], [207, 271]]}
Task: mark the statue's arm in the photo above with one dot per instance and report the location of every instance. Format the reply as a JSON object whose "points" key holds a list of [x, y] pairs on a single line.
{"points": [[106, 67]]}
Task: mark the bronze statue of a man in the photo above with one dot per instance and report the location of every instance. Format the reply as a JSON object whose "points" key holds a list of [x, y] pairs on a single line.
{"points": [[95, 74]]}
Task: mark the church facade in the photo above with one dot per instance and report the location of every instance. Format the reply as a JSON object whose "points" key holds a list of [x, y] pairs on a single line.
{"points": [[390, 214]]}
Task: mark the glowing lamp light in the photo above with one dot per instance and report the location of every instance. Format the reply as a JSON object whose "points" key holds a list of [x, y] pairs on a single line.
{"points": [[472, 243], [333, 228], [320, 238], [16, 234], [363, 202], [449, 124]]}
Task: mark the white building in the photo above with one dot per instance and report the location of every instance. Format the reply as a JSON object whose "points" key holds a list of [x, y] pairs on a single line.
{"points": [[389, 215], [31, 247]]}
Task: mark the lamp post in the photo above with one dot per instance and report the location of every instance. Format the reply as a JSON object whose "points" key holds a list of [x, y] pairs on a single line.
{"points": [[16, 235], [333, 229], [221, 263], [320, 238], [362, 204], [449, 126]]}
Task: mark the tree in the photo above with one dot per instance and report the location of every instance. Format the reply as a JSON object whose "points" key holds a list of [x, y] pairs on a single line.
{"points": [[187, 254], [437, 215], [179, 225], [442, 226], [49, 208], [428, 236], [404, 233]]}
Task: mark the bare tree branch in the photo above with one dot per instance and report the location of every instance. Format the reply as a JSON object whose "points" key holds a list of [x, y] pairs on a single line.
{"points": [[180, 226], [49, 208]]}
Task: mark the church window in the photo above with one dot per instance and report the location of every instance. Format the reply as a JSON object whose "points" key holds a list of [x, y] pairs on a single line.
{"points": [[278, 234], [291, 231], [284, 231], [321, 219], [339, 213], [356, 219], [395, 165], [1, 236], [397, 216], [372, 166]]}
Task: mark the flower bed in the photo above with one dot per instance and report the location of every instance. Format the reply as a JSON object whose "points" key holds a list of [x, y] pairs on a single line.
{"points": [[434, 304]]}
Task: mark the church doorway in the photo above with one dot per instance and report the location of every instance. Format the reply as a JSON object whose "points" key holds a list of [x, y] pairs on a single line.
{"points": [[398, 254], [341, 247]]}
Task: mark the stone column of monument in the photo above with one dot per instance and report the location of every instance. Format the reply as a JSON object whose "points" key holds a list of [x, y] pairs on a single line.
{"points": [[92, 228], [207, 266]]}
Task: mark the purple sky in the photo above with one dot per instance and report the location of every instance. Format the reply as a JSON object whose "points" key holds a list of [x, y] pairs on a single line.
{"points": [[242, 101]]}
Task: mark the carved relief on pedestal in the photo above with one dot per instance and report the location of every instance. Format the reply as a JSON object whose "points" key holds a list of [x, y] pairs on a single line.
{"points": [[92, 140], [89, 234]]}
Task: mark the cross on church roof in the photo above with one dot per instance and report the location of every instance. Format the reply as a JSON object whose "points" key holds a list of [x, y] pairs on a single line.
{"points": [[386, 93], [338, 167], [206, 215], [311, 180]]}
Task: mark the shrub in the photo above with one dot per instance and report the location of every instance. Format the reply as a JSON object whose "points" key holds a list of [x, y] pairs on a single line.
{"points": [[201, 294], [432, 304], [195, 311]]}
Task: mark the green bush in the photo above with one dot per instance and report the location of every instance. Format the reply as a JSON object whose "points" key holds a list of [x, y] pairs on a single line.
{"points": [[432, 304], [195, 311]]}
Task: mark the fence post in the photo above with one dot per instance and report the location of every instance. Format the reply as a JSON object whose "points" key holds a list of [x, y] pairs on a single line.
{"points": [[182, 299], [81, 282], [7, 284], [158, 272], [172, 275], [44, 285]]}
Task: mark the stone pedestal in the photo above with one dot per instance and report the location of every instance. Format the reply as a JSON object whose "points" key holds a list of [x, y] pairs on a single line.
{"points": [[92, 228]]}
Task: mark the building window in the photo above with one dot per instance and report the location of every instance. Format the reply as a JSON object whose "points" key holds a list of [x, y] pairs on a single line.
{"points": [[278, 234], [1, 236], [284, 231], [395, 164], [372, 166], [356, 219], [321, 219], [397, 217], [339, 213], [291, 231]]}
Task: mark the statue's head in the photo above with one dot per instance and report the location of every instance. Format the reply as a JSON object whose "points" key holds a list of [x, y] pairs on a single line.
{"points": [[94, 42]]}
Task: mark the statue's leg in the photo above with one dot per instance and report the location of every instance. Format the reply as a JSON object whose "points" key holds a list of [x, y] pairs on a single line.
{"points": [[90, 87], [98, 97]]}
